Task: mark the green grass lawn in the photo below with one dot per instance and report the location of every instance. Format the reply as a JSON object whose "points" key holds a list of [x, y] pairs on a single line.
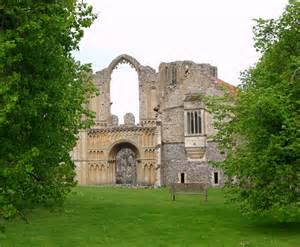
{"points": [[146, 217]]}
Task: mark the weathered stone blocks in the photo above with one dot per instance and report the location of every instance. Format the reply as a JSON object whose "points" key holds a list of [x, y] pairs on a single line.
{"points": [[162, 148]]}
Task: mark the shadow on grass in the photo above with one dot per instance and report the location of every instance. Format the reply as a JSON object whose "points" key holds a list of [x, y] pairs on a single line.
{"points": [[278, 227]]}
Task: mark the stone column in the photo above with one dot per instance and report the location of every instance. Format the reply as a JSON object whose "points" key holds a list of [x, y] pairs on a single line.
{"points": [[83, 157], [158, 147]]}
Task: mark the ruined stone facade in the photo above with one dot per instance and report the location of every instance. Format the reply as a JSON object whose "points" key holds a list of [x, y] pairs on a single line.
{"points": [[172, 141]]}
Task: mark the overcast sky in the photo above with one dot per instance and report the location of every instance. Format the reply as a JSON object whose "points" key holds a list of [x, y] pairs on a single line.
{"points": [[218, 32]]}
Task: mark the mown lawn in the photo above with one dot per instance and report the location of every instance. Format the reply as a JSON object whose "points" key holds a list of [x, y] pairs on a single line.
{"points": [[98, 216]]}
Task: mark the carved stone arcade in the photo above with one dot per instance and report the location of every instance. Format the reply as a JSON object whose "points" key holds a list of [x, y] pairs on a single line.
{"points": [[159, 148]]}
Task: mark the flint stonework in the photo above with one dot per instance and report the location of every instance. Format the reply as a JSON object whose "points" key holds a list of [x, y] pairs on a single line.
{"points": [[159, 149]]}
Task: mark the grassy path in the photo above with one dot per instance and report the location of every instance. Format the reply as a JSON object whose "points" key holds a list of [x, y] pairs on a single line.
{"points": [[146, 217]]}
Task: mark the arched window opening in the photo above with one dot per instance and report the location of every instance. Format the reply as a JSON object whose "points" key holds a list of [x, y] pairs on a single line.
{"points": [[124, 92]]}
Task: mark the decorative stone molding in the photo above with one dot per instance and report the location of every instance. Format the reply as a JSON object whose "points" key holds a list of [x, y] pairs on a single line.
{"points": [[162, 145]]}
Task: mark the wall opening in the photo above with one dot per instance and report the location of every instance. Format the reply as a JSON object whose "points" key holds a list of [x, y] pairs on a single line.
{"points": [[216, 178], [193, 122], [182, 178], [126, 166], [124, 92]]}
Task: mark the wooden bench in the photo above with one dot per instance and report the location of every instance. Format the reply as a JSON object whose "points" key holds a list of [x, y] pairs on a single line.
{"points": [[188, 188]]}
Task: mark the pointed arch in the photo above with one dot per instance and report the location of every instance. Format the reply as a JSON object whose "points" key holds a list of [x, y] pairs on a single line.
{"points": [[124, 59]]}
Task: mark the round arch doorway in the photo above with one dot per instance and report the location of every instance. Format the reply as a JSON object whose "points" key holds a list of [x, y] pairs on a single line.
{"points": [[125, 156]]}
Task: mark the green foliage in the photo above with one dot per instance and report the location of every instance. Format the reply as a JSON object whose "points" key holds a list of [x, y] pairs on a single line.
{"points": [[258, 128], [43, 91]]}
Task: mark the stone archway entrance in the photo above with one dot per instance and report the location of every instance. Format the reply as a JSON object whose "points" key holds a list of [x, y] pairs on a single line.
{"points": [[126, 165], [125, 158]]}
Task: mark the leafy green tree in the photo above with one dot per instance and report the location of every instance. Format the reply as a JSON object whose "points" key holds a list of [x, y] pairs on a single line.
{"points": [[43, 91], [258, 128]]}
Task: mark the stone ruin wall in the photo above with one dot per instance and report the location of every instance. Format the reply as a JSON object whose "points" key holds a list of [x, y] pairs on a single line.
{"points": [[163, 148], [180, 83]]}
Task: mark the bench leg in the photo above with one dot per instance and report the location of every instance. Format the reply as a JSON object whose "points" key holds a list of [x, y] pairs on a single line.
{"points": [[173, 197], [206, 196]]}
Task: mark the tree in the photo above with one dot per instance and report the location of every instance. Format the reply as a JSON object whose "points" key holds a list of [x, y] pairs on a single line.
{"points": [[258, 128], [43, 91]]}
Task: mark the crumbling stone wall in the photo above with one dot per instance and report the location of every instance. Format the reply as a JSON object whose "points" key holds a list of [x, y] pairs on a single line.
{"points": [[129, 119], [180, 84], [164, 148]]}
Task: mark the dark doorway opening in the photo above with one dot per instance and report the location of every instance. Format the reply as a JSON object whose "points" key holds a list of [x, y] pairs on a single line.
{"points": [[216, 178], [182, 178]]}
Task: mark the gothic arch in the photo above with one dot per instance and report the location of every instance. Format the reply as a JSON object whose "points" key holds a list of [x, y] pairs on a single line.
{"points": [[124, 59], [132, 62]]}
